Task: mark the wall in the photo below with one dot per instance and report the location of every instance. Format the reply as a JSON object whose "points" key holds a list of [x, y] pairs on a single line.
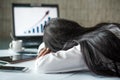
{"points": [[85, 12]]}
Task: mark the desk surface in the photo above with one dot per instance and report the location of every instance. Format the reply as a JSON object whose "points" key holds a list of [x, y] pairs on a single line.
{"points": [[31, 75]]}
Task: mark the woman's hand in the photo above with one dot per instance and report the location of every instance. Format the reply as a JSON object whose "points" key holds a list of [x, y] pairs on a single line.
{"points": [[43, 52]]}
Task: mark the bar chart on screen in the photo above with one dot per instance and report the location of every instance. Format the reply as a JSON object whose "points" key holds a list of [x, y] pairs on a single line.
{"points": [[31, 21], [38, 27]]}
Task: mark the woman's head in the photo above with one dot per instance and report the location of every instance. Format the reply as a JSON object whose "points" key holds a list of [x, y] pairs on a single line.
{"points": [[59, 31]]}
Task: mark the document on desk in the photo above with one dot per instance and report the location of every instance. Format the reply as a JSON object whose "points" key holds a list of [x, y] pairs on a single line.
{"points": [[13, 69], [13, 57]]}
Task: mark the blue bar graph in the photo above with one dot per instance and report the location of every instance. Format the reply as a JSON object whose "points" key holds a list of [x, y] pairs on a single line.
{"points": [[42, 28], [29, 31], [45, 23], [33, 30], [39, 28], [49, 18]]}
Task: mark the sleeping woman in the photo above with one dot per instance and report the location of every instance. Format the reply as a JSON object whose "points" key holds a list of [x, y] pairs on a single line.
{"points": [[67, 46]]}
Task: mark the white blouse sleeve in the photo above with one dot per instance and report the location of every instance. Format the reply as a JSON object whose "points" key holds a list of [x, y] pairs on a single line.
{"points": [[61, 61], [42, 45]]}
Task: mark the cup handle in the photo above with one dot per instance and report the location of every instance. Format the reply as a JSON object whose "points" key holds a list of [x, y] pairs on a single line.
{"points": [[10, 45]]}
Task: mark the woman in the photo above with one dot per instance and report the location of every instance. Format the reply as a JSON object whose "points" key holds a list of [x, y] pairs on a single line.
{"points": [[71, 47]]}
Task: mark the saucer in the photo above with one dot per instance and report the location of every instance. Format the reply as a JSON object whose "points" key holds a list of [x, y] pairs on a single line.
{"points": [[22, 49]]}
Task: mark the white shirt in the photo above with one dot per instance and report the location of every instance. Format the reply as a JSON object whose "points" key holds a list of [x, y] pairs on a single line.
{"points": [[61, 61]]}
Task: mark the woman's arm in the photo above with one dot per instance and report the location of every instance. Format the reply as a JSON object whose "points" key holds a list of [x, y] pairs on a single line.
{"points": [[61, 61]]}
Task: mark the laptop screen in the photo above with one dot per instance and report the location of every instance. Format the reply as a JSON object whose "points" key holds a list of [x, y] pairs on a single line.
{"points": [[29, 20]]}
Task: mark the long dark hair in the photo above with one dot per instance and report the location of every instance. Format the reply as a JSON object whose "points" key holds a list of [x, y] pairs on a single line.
{"points": [[101, 52], [100, 47], [59, 31]]}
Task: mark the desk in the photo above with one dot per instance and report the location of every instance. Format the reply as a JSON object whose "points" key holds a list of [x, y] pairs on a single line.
{"points": [[31, 75]]}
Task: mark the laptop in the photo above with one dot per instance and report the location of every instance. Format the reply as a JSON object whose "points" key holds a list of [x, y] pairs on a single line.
{"points": [[29, 21]]}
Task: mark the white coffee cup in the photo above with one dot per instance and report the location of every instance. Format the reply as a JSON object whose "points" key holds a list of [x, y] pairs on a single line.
{"points": [[16, 45]]}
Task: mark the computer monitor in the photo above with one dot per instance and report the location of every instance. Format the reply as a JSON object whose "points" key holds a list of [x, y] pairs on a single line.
{"points": [[29, 21]]}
